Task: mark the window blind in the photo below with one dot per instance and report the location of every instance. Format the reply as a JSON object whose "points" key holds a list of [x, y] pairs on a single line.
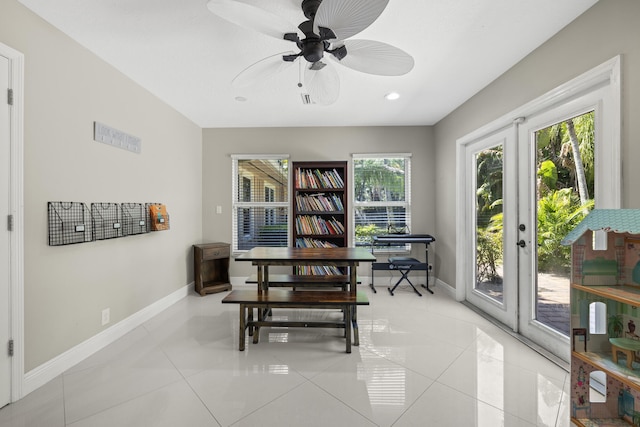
{"points": [[260, 201]]}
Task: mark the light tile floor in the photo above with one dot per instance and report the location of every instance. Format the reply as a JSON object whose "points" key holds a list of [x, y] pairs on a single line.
{"points": [[422, 361]]}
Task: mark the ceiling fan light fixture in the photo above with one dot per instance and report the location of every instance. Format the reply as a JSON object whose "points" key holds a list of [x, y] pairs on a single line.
{"points": [[392, 96], [329, 23]]}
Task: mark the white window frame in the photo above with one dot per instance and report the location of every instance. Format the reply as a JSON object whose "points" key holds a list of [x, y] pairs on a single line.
{"points": [[236, 204], [406, 203]]}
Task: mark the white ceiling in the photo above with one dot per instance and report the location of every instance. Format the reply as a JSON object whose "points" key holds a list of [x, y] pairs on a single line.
{"points": [[187, 56]]}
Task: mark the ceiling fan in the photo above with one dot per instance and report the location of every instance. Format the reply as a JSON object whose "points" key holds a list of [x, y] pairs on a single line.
{"points": [[325, 34]]}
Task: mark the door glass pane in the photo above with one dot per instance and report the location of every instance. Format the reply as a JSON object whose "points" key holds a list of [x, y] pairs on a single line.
{"points": [[488, 232], [564, 195]]}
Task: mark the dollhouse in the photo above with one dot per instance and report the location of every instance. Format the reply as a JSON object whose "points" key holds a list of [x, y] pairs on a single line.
{"points": [[605, 296]]}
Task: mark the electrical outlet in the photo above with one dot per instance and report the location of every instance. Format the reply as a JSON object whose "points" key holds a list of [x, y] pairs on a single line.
{"points": [[106, 314], [218, 209]]}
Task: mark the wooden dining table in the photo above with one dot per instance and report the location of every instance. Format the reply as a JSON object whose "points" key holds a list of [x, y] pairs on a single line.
{"points": [[348, 258]]}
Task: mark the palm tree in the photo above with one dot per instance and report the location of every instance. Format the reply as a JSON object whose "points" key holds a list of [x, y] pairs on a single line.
{"points": [[378, 180], [583, 191], [569, 145]]}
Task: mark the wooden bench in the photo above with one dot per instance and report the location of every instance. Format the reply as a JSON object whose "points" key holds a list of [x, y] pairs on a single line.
{"points": [[281, 298], [307, 281]]}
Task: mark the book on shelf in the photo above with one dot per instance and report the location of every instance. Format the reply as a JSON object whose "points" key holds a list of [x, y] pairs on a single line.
{"points": [[315, 179], [313, 224], [308, 242], [319, 202], [317, 270]]}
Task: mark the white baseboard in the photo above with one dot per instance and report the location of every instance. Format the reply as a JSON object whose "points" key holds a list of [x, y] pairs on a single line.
{"points": [[44, 373], [449, 290]]}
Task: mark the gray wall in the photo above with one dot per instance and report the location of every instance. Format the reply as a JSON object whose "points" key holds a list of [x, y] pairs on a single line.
{"points": [[311, 144], [66, 89], [609, 28]]}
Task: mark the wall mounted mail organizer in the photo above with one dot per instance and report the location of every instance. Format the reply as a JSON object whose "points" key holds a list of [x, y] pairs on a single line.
{"points": [[74, 222]]}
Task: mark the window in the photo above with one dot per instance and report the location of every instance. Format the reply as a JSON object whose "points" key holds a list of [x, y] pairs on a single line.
{"points": [[597, 318], [270, 213], [382, 196], [260, 201]]}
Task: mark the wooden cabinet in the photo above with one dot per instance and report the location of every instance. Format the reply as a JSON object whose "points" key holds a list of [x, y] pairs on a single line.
{"points": [[605, 297], [211, 267], [319, 209]]}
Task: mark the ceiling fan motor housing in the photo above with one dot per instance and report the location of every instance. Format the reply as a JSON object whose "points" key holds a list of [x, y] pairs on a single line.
{"points": [[313, 49]]}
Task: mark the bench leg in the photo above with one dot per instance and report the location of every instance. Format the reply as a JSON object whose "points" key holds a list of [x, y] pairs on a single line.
{"points": [[243, 326], [347, 327], [371, 285], [262, 313], [354, 323]]}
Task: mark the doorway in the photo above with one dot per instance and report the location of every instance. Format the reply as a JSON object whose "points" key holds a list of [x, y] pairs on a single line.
{"points": [[521, 196], [12, 242], [5, 242]]}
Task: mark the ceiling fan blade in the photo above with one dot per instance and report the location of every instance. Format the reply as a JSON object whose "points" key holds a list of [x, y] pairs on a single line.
{"points": [[373, 57], [347, 17], [250, 17], [322, 83], [262, 70]]}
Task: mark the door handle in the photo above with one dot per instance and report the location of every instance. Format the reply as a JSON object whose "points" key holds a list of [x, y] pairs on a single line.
{"points": [[521, 243]]}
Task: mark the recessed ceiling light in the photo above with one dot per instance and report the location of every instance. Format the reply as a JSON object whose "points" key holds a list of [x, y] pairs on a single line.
{"points": [[240, 98], [392, 96]]}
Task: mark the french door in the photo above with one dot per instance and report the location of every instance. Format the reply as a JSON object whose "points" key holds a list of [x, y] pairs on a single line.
{"points": [[519, 270], [492, 264], [517, 199], [552, 201]]}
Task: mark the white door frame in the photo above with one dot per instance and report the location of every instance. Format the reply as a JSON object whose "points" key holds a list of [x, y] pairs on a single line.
{"points": [[16, 206], [604, 81]]}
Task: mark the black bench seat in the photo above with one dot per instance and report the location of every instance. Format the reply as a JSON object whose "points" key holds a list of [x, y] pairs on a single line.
{"points": [[281, 298]]}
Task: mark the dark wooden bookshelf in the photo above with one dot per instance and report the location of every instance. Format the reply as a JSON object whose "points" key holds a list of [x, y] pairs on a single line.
{"points": [[319, 207]]}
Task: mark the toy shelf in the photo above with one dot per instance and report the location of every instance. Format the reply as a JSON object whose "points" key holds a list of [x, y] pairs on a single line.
{"points": [[603, 361], [626, 294]]}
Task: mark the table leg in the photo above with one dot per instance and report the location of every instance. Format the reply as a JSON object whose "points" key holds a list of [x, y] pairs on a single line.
{"points": [[242, 327], [353, 288]]}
